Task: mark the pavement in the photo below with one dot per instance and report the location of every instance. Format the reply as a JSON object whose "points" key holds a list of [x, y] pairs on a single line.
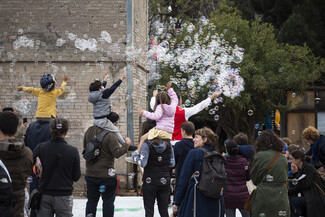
{"points": [[124, 207]]}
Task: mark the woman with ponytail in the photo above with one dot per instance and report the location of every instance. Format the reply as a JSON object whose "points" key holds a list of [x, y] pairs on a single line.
{"points": [[238, 172], [61, 167]]}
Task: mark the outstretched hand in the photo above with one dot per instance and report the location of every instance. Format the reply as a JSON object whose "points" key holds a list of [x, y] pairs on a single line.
{"points": [[215, 95], [124, 74], [168, 85], [141, 112], [19, 88], [155, 93], [65, 78], [105, 75]]}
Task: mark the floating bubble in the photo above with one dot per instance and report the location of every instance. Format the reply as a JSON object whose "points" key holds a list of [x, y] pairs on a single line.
{"points": [[148, 180], [250, 112], [293, 95], [159, 158], [234, 40], [294, 181], [293, 132], [102, 188], [111, 172], [29, 179], [216, 117], [23, 41], [90, 44], [190, 28], [269, 178], [187, 102], [22, 106], [212, 111], [257, 126], [60, 42], [20, 31], [106, 36], [163, 181], [72, 36], [261, 215]]}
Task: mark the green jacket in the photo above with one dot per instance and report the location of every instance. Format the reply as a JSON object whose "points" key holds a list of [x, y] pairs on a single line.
{"points": [[271, 195]]}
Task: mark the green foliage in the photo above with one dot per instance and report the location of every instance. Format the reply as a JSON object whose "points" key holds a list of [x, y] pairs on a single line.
{"points": [[269, 69]]}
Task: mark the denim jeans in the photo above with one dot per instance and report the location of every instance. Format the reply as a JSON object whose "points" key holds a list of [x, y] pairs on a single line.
{"points": [[101, 186], [61, 206]]}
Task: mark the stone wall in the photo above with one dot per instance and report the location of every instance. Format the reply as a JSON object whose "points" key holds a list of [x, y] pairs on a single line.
{"points": [[52, 27]]}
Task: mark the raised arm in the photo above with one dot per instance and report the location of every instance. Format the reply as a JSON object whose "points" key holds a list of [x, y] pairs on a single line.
{"points": [[156, 115], [200, 106], [60, 91], [31, 90], [109, 91]]}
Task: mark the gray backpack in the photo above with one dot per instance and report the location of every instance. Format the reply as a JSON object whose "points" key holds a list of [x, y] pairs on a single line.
{"points": [[213, 176]]}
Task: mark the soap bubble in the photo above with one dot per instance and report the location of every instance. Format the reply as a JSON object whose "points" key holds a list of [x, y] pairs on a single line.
{"points": [[216, 117], [106, 36], [23, 41], [102, 188], [212, 111], [22, 106], [60, 42], [250, 112], [293, 95]]}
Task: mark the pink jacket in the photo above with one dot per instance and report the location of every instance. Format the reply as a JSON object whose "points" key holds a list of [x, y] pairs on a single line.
{"points": [[164, 121]]}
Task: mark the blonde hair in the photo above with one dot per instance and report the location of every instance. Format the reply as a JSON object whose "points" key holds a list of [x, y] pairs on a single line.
{"points": [[310, 133]]}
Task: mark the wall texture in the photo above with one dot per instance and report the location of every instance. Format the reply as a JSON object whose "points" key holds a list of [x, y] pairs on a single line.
{"points": [[57, 36]]}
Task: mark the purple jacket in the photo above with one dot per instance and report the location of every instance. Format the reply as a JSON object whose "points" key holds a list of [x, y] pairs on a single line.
{"points": [[238, 172], [164, 121]]}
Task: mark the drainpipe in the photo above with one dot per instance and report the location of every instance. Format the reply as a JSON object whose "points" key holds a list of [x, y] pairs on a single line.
{"points": [[129, 43], [129, 100]]}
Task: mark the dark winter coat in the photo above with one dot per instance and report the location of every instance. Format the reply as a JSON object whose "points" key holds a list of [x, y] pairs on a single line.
{"points": [[181, 150], [271, 195], [66, 171], [317, 151], [247, 151], [184, 198], [238, 172], [315, 199], [37, 132], [19, 161]]}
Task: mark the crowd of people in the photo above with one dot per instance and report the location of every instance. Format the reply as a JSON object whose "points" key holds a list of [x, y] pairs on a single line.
{"points": [[286, 184]]}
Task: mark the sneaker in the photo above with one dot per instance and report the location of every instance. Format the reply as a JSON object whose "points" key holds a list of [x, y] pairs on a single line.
{"points": [[132, 148], [130, 160]]}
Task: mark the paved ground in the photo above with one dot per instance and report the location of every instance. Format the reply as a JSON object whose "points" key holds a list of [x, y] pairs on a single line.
{"points": [[124, 207]]}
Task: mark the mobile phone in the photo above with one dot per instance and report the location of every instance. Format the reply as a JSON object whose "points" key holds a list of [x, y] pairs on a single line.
{"points": [[24, 120]]}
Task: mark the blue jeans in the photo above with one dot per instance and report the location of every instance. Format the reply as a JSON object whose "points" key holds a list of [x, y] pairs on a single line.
{"points": [[101, 186]]}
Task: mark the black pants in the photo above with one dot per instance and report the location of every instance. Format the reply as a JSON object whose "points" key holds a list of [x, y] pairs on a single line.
{"points": [[297, 206], [150, 193]]}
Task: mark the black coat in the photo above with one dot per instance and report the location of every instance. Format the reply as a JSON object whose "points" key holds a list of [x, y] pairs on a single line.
{"points": [[315, 199]]}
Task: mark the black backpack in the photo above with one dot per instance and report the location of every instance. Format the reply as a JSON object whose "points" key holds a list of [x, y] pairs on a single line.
{"points": [[92, 149], [5, 194], [213, 176]]}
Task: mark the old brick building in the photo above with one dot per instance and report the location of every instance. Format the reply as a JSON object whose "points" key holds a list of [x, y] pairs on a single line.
{"points": [[68, 37]]}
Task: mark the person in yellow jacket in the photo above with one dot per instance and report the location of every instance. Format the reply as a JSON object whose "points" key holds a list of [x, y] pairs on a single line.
{"points": [[46, 106]]}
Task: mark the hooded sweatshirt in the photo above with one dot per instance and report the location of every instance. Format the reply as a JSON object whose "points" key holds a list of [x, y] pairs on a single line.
{"points": [[19, 161], [100, 100], [181, 150], [142, 157]]}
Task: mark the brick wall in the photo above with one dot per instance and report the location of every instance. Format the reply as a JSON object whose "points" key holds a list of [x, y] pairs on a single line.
{"points": [[46, 21]]}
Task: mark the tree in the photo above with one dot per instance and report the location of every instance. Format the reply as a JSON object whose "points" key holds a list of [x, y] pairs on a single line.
{"points": [[269, 70]]}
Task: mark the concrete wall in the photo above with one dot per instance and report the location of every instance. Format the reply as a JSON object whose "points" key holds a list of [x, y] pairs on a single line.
{"points": [[46, 21]]}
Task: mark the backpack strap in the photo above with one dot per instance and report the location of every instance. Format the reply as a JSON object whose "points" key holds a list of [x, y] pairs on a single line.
{"points": [[101, 136]]}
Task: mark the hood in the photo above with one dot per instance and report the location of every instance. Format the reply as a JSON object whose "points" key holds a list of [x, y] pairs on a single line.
{"points": [[12, 149], [93, 96], [160, 147], [187, 144], [169, 110]]}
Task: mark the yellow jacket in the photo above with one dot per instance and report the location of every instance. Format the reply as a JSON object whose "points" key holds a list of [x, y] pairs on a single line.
{"points": [[46, 100]]}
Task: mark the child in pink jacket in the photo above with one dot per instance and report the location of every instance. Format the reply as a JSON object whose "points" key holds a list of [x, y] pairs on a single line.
{"points": [[164, 112]]}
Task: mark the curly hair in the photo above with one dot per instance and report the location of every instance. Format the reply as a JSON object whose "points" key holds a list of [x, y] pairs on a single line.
{"points": [[310, 133], [241, 139], [206, 132], [268, 140]]}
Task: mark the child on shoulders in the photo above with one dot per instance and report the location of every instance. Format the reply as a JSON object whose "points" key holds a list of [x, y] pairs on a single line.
{"points": [[99, 96], [46, 106]]}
